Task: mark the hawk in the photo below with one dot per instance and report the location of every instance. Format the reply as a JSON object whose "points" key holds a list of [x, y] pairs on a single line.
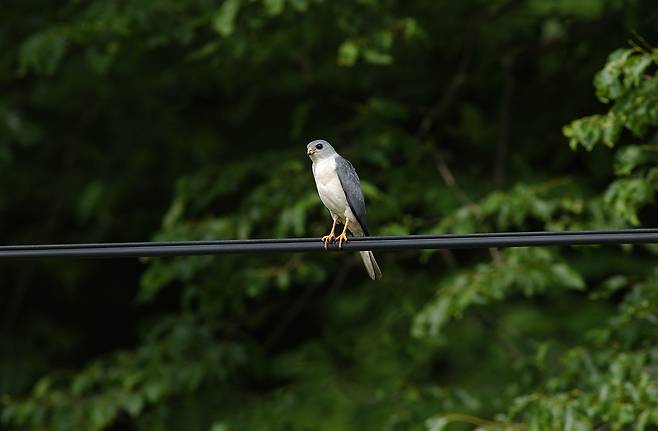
{"points": [[340, 191]]}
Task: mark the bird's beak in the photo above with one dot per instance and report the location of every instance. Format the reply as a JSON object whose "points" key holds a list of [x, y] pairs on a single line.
{"points": [[310, 151]]}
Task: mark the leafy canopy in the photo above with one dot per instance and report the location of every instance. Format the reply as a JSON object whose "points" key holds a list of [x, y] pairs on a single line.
{"points": [[188, 120]]}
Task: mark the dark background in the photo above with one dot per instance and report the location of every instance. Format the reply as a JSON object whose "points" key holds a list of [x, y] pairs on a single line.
{"points": [[137, 120]]}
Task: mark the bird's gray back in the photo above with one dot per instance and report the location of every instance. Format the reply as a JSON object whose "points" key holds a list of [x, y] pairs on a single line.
{"points": [[349, 180]]}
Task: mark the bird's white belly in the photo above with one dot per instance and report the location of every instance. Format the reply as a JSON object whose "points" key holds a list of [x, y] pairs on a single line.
{"points": [[331, 191]]}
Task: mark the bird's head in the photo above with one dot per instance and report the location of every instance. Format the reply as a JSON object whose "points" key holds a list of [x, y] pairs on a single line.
{"points": [[320, 149]]}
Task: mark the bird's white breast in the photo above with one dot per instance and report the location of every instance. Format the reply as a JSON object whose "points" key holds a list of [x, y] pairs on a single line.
{"points": [[330, 190]]}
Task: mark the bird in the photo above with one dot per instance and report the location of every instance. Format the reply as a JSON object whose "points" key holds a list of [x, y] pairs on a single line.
{"points": [[340, 191]]}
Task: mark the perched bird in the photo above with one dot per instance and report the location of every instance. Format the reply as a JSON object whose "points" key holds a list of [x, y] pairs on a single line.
{"points": [[340, 191]]}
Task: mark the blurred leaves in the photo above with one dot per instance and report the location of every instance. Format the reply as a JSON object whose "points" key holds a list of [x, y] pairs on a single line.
{"points": [[633, 94], [528, 270], [224, 20], [627, 195], [178, 356], [187, 121]]}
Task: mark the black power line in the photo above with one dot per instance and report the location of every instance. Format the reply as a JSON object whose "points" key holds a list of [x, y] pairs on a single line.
{"points": [[382, 243]]}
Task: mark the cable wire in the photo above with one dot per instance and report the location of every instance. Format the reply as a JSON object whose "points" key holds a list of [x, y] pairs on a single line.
{"points": [[378, 243]]}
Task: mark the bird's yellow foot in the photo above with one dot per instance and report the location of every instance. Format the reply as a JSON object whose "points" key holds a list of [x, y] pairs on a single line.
{"points": [[342, 238], [328, 238]]}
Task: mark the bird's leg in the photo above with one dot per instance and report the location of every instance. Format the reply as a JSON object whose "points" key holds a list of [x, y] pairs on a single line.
{"points": [[327, 238], [343, 236]]}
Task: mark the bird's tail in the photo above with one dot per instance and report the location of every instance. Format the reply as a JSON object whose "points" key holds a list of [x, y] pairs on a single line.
{"points": [[366, 256], [371, 265]]}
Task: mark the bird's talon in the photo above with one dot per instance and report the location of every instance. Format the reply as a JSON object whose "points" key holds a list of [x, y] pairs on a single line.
{"points": [[327, 239], [342, 238]]}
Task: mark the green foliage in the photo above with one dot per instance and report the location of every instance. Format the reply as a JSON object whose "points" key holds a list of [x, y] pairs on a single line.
{"points": [[531, 271], [625, 82], [618, 388], [179, 355], [617, 393], [188, 120]]}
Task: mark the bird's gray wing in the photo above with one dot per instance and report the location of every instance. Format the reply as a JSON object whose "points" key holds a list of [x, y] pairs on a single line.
{"points": [[349, 180]]}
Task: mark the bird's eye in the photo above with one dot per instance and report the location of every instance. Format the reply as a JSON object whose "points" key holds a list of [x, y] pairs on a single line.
{"points": [[319, 146]]}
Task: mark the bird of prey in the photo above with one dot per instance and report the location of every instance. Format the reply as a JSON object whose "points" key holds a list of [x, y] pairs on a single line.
{"points": [[340, 191]]}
